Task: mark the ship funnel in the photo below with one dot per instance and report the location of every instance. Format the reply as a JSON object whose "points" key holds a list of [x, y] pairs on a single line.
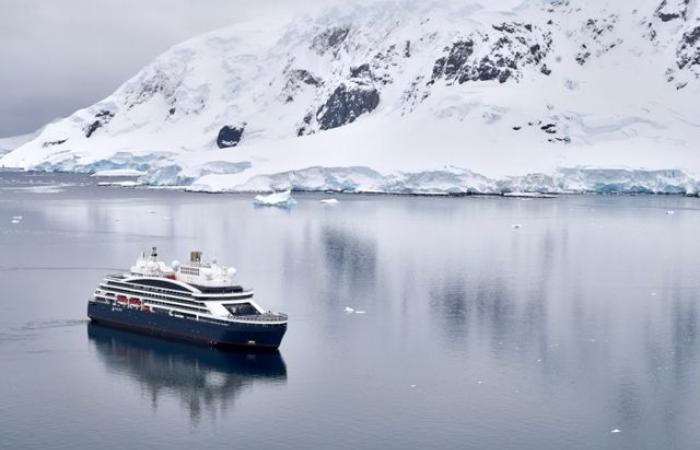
{"points": [[154, 252], [196, 257]]}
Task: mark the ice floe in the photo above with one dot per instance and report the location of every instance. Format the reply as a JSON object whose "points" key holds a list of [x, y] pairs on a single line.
{"points": [[282, 199], [329, 201]]}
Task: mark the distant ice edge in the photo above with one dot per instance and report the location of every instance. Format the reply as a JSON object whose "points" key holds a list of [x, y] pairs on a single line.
{"points": [[458, 181], [222, 176]]}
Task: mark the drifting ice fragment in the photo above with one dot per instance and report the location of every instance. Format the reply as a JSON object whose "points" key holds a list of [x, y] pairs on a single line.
{"points": [[279, 199], [616, 430], [349, 309], [413, 385], [329, 201], [16, 217], [517, 226], [15, 221], [360, 311], [670, 212]]}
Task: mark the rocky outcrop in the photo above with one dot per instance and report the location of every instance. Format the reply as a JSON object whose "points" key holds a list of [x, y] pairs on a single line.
{"points": [[498, 55], [330, 40], [675, 9], [597, 37], [229, 136], [102, 118], [345, 105], [688, 52], [297, 81]]}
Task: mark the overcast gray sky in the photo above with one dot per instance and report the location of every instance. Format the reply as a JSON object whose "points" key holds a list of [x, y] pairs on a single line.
{"points": [[58, 56]]}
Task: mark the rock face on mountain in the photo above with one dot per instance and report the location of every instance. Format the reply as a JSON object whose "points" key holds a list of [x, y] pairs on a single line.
{"points": [[440, 95]]}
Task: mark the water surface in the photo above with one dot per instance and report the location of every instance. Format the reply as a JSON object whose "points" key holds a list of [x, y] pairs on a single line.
{"points": [[476, 334]]}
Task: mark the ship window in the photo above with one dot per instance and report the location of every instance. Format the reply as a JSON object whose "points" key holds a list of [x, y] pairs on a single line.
{"points": [[162, 284], [241, 309]]}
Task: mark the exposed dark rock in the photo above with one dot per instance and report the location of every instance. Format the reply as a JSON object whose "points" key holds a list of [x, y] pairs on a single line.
{"points": [[407, 50], [451, 64], [545, 70], [171, 111], [229, 136], [582, 56], [296, 81], [549, 128], [510, 46], [102, 118], [52, 143], [345, 105], [676, 9], [688, 52], [361, 71], [306, 77], [517, 127], [330, 40]]}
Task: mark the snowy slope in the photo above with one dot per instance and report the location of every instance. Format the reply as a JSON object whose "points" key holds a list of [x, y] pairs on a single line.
{"points": [[8, 144], [410, 97]]}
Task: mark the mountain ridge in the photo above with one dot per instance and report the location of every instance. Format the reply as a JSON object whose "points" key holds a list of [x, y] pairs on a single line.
{"points": [[382, 96]]}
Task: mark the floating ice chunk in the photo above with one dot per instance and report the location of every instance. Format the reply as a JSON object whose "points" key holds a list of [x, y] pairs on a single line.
{"points": [[670, 212], [616, 430], [653, 294], [329, 201], [278, 199], [413, 385], [517, 226], [349, 310], [360, 311], [15, 221], [16, 217]]}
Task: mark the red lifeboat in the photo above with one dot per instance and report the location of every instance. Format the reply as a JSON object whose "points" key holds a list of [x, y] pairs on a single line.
{"points": [[171, 277], [121, 299], [134, 301]]}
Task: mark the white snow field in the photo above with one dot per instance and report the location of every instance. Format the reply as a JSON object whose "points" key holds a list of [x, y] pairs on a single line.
{"points": [[409, 97]]}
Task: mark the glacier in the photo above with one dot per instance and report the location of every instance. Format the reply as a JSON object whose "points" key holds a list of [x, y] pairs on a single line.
{"points": [[408, 97]]}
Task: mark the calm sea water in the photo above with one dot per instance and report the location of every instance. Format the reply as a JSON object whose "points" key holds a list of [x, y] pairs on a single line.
{"points": [[477, 335]]}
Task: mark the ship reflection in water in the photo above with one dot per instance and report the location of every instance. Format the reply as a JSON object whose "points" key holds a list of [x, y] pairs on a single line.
{"points": [[203, 379]]}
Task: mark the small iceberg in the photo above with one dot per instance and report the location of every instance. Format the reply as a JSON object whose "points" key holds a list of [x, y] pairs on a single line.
{"points": [[360, 311], [670, 212], [349, 310], [278, 199], [329, 201], [616, 430]]}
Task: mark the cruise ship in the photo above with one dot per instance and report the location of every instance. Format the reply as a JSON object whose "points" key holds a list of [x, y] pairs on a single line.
{"points": [[198, 301]]}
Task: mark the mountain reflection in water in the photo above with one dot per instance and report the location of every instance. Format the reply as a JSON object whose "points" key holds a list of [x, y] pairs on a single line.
{"points": [[201, 378]]}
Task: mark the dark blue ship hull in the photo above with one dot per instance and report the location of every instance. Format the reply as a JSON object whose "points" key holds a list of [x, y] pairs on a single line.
{"points": [[220, 335]]}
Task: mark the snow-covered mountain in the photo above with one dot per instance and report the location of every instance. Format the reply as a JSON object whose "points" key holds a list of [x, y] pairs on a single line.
{"points": [[410, 96]]}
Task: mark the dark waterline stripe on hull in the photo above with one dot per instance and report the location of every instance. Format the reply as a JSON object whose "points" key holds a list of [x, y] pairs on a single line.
{"points": [[178, 336], [215, 338]]}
